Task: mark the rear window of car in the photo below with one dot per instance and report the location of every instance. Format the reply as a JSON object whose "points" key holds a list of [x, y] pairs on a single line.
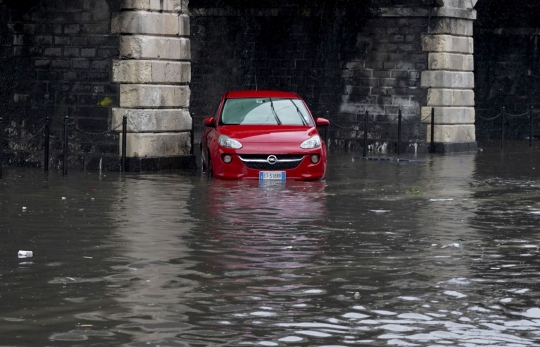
{"points": [[265, 111]]}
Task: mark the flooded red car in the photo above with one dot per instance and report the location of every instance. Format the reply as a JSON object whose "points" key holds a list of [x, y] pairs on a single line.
{"points": [[263, 135]]}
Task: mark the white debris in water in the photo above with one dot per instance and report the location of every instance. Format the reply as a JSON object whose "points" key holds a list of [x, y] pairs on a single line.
{"points": [[441, 199], [25, 254]]}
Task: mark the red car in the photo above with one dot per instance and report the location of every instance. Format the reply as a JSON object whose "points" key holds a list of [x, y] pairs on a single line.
{"points": [[263, 135]]}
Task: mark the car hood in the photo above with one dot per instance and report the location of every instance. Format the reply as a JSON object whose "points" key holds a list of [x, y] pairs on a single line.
{"points": [[268, 134]]}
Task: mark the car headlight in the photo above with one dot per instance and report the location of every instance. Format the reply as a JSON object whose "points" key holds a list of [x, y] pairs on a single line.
{"points": [[312, 142], [226, 141]]}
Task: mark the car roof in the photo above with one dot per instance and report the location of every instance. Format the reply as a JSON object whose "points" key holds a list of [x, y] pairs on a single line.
{"points": [[261, 94]]}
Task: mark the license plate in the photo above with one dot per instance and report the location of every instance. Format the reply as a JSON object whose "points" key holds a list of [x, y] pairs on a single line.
{"points": [[272, 175]]}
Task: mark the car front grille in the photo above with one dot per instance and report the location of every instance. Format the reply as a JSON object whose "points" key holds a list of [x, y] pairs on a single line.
{"points": [[260, 162]]}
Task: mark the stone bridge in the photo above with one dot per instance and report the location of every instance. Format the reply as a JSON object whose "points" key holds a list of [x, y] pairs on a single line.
{"points": [[157, 61]]}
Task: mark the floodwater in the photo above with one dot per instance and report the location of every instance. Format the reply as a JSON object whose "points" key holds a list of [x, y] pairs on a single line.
{"points": [[440, 252]]}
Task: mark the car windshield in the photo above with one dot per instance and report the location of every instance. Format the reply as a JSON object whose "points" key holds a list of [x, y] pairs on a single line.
{"points": [[265, 111]]}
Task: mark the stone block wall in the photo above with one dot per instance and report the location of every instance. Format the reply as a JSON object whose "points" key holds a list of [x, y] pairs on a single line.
{"points": [[449, 77], [55, 61], [382, 76], [154, 73], [342, 73]]}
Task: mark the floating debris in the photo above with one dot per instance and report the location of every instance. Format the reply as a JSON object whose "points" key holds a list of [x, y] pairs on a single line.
{"points": [[25, 254]]}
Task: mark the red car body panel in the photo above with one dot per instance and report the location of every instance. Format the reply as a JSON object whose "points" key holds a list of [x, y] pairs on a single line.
{"points": [[261, 141]]}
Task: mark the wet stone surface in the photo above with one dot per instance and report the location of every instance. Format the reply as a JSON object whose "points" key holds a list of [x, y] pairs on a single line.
{"points": [[443, 252]]}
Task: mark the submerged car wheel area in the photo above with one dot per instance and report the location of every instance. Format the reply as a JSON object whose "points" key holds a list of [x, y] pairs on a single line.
{"points": [[264, 135]]}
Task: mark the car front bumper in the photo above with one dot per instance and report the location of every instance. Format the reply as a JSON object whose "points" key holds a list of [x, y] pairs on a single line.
{"points": [[249, 166]]}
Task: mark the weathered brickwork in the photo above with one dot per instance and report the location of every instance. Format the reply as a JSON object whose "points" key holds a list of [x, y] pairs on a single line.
{"points": [[55, 61], [340, 74], [382, 77]]}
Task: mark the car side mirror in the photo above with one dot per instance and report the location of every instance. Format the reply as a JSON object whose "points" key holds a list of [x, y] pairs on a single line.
{"points": [[321, 122], [209, 122]]}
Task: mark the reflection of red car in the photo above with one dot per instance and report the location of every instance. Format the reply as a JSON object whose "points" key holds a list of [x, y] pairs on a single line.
{"points": [[263, 135]]}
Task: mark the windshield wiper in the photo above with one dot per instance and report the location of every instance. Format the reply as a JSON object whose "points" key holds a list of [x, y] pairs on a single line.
{"points": [[274, 112], [299, 113]]}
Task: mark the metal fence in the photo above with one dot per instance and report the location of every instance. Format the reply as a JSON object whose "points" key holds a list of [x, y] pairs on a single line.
{"points": [[45, 132], [368, 124], [365, 123], [504, 119]]}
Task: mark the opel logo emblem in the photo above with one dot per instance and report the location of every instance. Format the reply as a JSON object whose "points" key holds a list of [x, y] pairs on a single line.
{"points": [[272, 159]]}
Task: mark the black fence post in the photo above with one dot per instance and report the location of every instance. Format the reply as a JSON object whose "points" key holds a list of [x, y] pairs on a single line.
{"points": [[432, 146], [366, 122], [65, 149], [400, 116], [530, 126], [192, 134], [1, 146], [46, 155], [502, 126], [124, 142]]}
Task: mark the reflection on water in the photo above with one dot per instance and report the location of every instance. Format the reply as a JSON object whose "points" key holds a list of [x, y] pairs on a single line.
{"points": [[439, 253]]}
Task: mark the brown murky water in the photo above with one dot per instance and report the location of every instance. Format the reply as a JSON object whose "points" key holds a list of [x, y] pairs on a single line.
{"points": [[443, 252]]}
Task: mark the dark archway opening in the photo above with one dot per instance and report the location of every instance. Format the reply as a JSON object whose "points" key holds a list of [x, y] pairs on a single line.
{"points": [[507, 66]]}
